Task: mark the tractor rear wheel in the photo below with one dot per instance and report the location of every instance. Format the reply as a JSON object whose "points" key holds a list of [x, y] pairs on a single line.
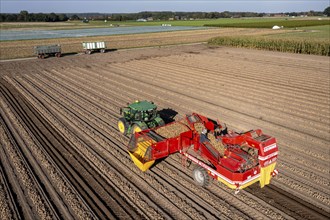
{"points": [[122, 126], [201, 176], [136, 128]]}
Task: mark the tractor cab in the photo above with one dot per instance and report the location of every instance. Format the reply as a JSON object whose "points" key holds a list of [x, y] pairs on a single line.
{"points": [[138, 116], [141, 111]]}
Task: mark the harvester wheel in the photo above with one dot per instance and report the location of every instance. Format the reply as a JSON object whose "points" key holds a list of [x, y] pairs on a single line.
{"points": [[136, 128], [122, 126], [200, 176]]}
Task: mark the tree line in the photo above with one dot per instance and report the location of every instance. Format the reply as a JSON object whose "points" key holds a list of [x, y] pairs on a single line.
{"points": [[202, 15], [25, 16]]}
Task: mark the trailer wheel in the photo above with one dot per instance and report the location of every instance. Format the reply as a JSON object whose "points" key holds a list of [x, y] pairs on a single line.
{"points": [[88, 52], [200, 176], [58, 54], [102, 50]]}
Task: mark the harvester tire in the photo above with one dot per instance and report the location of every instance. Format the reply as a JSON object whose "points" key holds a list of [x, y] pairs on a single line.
{"points": [[201, 176], [122, 126]]}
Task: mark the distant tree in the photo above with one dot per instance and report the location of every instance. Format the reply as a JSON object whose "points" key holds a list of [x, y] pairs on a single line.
{"points": [[213, 15], [53, 17], [11, 17], [62, 17], [293, 14], [23, 16], [41, 17], [327, 11], [75, 17], [225, 14], [2, 17]]}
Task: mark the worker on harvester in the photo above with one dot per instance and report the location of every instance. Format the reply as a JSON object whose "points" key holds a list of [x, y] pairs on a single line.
{"points": [[203, 137]]}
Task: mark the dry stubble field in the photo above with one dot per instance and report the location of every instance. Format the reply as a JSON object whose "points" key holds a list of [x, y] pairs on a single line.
{"points": [[63, 158]]}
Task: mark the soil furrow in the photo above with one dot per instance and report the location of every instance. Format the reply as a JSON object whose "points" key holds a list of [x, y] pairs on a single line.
{"points": [[246, 106], [127, 90], [9, 207], [98, 142], [64, 126], [229, 87], [253, 82], [40, 205], [185, 190], [81, 149], [288, 203], [185, 98]]}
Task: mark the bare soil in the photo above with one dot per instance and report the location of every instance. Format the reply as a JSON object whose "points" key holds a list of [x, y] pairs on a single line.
{"points": [[62, 156]]}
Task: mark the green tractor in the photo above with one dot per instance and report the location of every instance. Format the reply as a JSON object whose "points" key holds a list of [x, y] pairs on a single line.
{"points": [[138, 116]]}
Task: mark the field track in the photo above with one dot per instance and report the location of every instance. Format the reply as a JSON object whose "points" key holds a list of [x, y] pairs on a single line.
{"points": [[61, 156]]}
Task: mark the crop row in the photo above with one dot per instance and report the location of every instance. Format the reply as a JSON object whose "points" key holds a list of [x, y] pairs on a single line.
{"points": [[282, 45]]}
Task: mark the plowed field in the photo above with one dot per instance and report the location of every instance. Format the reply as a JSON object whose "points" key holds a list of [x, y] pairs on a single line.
{"points": [[62, 156]]}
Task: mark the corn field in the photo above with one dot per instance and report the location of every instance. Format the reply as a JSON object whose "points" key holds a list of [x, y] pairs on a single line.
{"points": [[282, 45]]}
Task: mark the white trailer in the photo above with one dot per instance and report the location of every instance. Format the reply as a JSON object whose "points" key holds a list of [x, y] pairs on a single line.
{"points": [[89, 47]]}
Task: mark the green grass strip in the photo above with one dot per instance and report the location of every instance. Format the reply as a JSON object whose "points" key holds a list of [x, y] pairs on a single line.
{"points": [[270, 24]]}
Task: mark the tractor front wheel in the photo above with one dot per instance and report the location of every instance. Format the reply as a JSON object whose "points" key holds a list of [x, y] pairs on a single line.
{"points": [[201, 176], [122, 126]]}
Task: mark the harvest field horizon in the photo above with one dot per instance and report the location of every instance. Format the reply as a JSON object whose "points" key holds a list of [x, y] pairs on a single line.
{"points": [[235, 124], [312, 34]]}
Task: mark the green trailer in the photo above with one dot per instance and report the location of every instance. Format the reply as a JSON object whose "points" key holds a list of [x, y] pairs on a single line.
{"points": [[139, 116], [48, 50]]}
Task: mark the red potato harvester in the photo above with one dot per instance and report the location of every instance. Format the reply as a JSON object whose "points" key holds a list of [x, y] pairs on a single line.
{"points": [[235, 159]]}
